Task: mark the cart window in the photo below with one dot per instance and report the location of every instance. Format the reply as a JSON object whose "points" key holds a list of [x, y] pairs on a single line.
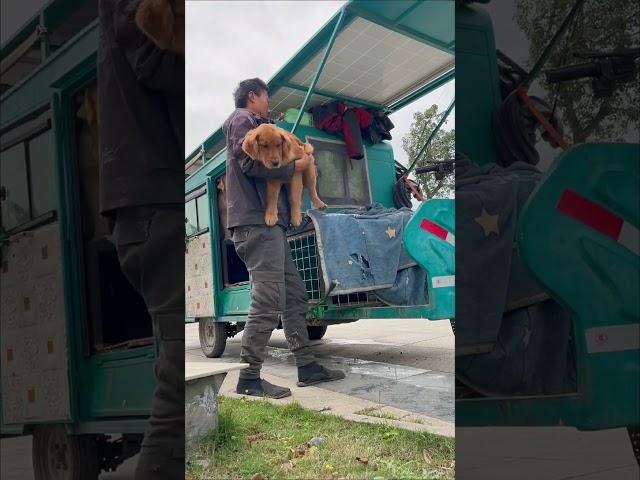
{"points": [[14, 192], [43, 174], [341, 181], [202, 202], [191, 217], [27, 173]]}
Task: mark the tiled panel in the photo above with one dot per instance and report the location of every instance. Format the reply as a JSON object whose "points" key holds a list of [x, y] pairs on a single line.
{"points": [[33, 336], [198, 277]]}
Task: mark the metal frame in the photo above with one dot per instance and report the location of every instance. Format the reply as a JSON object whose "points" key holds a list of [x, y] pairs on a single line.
{"points": [[323, 61], [322, 93], [396, 27]]}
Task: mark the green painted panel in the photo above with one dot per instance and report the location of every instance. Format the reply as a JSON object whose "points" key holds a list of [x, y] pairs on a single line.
{"points": [[595, 277], [435, 254], [591, 273], [339, 315], [477, 88], [35, 90], [236, 300], [120, 385]]}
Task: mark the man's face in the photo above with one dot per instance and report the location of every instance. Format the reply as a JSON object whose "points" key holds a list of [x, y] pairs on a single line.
{"points": [[259, 103]]}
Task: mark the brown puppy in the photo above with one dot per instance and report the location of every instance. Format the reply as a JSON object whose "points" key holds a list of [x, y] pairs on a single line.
{"points": [[163, 22], [274, 148]]}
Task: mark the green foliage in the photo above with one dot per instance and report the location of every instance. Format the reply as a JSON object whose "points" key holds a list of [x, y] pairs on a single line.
{"points": [[255, 436], [442, 148], [599, 27]]}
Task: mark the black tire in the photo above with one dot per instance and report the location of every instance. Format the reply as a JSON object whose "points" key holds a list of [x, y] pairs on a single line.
{"points": [[316, 332], [213, 337], [453, 325], [58, 455]]}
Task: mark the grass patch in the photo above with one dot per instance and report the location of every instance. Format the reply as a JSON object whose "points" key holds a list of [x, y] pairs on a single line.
{"points": [[376, 412], [257, 437]]}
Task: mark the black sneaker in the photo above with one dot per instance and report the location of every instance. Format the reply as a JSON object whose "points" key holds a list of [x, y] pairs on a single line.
{"points": [[315, 373], [259, 387]]}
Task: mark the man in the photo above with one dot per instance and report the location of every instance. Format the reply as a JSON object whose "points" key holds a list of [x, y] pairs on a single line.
{"points": [[278, 293], [141, 124]]}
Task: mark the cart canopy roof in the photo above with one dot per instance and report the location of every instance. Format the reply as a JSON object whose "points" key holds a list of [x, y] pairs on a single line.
{"points": [[385, 55]]}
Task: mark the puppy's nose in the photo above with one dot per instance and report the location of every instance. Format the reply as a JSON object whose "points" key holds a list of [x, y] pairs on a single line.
{"points": [[275, 163]]}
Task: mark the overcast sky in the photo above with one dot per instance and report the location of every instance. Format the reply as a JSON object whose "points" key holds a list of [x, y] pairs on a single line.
{"points": [[228, 41]]}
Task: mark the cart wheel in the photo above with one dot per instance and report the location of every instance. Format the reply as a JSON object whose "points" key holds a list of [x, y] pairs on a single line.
{"points": [[213, 337], [316, 332], [634, 436], [58, 455], [453, 325]]}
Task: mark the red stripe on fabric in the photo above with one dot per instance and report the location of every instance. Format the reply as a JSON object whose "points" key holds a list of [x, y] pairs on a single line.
{"points": [[590, 213], [431, 227]]}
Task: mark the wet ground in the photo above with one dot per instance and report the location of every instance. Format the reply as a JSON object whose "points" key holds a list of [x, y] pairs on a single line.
{"points": [[404, 364]]}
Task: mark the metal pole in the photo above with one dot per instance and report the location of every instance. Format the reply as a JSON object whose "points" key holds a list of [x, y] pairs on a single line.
{"points": [[433, 134], [552, 43], [323, 61], [44, 38]]}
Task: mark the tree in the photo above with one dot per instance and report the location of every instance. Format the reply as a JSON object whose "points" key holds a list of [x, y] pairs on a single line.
{"points": [[598, 27], [442, 147]]}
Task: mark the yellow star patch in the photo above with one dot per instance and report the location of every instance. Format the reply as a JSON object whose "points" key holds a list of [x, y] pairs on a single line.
{"points": [[489, 223], [391, 232]]}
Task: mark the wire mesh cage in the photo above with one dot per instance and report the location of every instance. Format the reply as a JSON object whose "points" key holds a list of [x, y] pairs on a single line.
{"points": [[304, 251]]}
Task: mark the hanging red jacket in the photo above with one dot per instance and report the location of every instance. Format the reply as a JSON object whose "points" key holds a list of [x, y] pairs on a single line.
{"points": [[335, 116]]}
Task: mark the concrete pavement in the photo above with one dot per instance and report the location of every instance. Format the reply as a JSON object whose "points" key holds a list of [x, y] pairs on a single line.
{"points": [[399, 369]]}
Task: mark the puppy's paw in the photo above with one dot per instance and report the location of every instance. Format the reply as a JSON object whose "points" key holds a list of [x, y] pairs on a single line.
{"points": [[317, 203], [271, 218], [296, 219]]}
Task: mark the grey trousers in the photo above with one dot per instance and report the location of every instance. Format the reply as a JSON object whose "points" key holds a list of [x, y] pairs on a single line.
{"points": [[150, 245], [277, 293]]}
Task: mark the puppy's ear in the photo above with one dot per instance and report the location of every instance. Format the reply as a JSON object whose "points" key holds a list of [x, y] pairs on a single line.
{"points": [[250, 144], [288, 148], [158, 21]]}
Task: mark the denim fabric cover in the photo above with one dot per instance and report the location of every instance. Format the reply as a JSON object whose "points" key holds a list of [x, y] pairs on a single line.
{"points": [[362, 250]]}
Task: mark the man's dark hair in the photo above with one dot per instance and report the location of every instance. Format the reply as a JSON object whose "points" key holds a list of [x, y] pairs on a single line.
{"points": [[241, 93]]}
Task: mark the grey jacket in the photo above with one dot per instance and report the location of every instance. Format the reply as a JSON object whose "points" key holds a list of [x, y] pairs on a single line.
{"points": [[246, 178], [141, 114]]}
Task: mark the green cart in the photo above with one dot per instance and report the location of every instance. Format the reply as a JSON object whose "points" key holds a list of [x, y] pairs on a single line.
{"points": [[378, 55], [76, 341]]}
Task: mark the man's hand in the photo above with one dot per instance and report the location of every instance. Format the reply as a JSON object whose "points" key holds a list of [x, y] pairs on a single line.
{"points": [[304, 162]]}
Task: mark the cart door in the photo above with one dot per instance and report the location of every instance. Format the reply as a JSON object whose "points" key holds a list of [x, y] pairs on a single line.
{"points": [[33, 330]]}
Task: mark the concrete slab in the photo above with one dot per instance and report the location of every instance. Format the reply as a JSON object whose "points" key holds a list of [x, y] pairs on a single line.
{"points": [[195, 370]]}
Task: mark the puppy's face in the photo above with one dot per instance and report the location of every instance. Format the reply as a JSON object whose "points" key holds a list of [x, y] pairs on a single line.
{"points": [[222, 184], [270, 146]]}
